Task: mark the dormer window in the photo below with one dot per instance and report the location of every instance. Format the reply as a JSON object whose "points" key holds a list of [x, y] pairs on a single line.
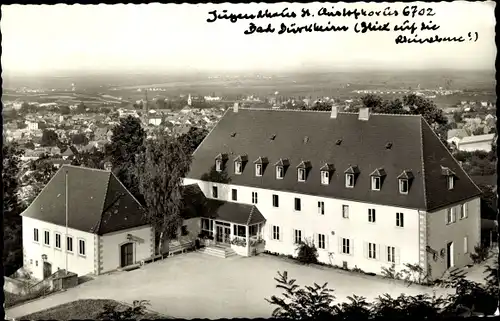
{"points": [[302, 170], [375, 183], [377, 177], [403, 186], [238, 167], [281, 167], [260, 165], [325, 177], [219, 162], [451, 182], [218, 165], [350, 176], [349, 180], [450, 177], [239, 164], [279, 172], [404, 180], [301, 175], [258, 169], [326, 171]]}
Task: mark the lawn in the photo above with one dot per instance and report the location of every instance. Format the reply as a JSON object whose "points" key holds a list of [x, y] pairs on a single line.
{"points": [[81, 309]]}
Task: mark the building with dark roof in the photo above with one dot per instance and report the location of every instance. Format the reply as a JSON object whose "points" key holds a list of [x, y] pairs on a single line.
{"points": [[368, 189], [87, 220]]}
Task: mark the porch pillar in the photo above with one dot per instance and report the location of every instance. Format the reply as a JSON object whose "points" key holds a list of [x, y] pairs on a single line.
{"points": [[247, 236]]}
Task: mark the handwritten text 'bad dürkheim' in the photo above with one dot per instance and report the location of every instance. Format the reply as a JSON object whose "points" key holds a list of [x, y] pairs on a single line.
{"points": [[408, 13]]}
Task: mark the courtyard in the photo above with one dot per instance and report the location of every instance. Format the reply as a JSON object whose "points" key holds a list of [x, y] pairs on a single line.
{"points": [[196, 285]]}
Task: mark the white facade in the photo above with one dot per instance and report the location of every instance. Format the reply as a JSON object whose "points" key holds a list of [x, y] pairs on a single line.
{"points": [[110, 247], [100, 254], [463, 232], [56, 257], [332, 227]]}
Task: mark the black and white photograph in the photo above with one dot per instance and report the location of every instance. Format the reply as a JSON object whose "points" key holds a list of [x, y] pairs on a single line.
{"points": [[288, 160]]}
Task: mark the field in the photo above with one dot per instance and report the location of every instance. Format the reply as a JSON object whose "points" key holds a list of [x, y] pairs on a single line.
{"points": [[101, 88]]}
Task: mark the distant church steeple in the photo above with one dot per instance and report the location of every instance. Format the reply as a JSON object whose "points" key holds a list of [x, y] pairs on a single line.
{"points": [[189, 100]]}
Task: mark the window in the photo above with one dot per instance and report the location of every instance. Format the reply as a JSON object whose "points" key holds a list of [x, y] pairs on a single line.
{"points": [[321, 208], [301, 175], [372, 251], [279, 172], [400, 220], [36, 262], [237, 167], [371, 215], [258, 169], [451, 182], [345, 211], [450, 216], [349, 180], [466, 244], [297, 204], [322, 241], [46, 237], [58, 241], [276, 202], [81, 247], [375, 183], [234, 194], [207, 227], [239, 230], [298, 236], [254, 197], [325, 177], [346, 246], [462, 211], [218, 165], [253, 230], [391, 254], [184, 230], [276, 233], [35, 235], [215, 192], [69, 244], [403, 186]]}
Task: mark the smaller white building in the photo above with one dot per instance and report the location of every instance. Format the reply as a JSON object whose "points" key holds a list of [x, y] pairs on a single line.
{"points": [[473, 143], [95, 228]]}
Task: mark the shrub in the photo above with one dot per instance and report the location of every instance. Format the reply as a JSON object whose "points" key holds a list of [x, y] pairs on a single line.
{"points": [[390, 273], [307, 253], [480, 253], [110, 312]]}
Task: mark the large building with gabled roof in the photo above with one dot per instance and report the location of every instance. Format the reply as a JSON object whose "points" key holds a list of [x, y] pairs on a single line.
{"points": [[86, 220], [369, 190]]}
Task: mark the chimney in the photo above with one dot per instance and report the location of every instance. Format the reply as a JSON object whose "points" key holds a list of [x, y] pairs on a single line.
{"points": [[335, 111], [364, 113], [108, 166], [235, 107]]}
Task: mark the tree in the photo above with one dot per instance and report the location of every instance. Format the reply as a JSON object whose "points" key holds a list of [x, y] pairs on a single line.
{"points": [[192, 139], [312, 302], [427, 108], [29, 145], [127, 141], [457, 117], [12, 242], [322, 106], [91, 159], [161, 169], [79, 139], [112, 312], [372, 101], [81, 108], [49, 138], [41, 171], [64, 110], [478, 131]]}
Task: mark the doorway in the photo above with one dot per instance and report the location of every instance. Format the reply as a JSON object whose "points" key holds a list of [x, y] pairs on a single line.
{"points": [[127, 254], [449, 255], [223, 234], [47, 269]]}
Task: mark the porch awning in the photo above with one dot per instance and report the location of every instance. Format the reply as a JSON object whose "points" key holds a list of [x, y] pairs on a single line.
{"points": [[233, 212], [197, 205]]}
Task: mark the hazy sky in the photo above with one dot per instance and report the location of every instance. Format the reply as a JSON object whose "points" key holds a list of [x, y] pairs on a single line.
{"points": [[46, 38]]}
